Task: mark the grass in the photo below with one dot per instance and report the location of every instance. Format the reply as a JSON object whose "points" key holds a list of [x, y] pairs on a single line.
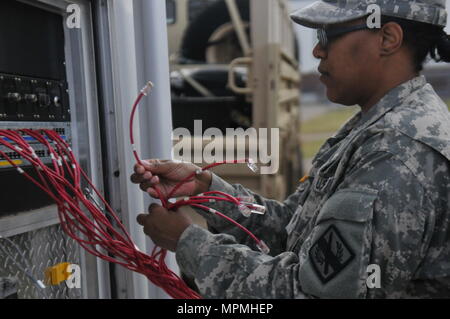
{"points": [[329, 122], [310, 148], [323, 125]]}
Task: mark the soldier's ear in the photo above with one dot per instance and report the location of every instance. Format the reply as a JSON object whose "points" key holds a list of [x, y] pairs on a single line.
{"points": [[391, 38]]}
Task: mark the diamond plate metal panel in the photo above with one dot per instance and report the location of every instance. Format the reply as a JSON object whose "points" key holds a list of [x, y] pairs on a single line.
{"points": [[43, 248]]}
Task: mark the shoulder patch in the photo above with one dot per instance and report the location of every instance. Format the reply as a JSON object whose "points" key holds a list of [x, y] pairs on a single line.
{"points": [[330, 254]]}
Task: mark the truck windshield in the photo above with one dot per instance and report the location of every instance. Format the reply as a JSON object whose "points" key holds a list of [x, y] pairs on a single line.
{"points": [[197, 6]]}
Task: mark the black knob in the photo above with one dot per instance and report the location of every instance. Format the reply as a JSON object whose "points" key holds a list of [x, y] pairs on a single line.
{"points": [[31, 98], [14, 97], [57, 101], [44, 99]]}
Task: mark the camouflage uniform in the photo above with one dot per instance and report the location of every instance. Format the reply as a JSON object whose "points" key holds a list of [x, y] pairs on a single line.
{"points": [[378, 193]]}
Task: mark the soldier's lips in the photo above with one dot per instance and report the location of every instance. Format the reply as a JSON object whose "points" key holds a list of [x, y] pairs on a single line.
{"points": [[324, 75]]}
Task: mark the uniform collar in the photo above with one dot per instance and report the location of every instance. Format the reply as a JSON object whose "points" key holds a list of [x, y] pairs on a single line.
{"points": [[393, 98]]}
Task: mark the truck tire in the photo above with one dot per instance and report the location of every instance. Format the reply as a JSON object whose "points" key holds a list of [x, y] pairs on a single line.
{"points": [[199, 31]]}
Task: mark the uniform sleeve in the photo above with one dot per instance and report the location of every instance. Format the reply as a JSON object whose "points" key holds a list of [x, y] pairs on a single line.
{"points": [[270, 227], [400, 228], [375, 223]]}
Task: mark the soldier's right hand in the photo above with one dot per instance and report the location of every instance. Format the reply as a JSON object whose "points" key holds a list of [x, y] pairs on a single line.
{"points": [[166, 174]]}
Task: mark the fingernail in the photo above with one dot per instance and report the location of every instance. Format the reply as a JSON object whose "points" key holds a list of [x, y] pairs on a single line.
{"points": [[147, 175]]}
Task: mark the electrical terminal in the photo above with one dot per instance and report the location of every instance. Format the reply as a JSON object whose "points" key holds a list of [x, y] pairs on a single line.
{"points": [[247, 199], [147, 88], [212, 211], [263, 247], [258, 209], [41, 284], [89, 194], [253, 165], [244, 210]]}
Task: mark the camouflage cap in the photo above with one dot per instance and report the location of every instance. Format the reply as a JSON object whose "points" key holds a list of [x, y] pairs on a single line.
{"points": [[325, 12]]}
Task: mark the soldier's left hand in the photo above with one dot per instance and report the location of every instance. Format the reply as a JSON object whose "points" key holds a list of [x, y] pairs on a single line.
{"points": [[164, 227]]}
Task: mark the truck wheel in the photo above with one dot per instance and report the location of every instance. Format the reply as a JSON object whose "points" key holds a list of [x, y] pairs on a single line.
{"points": [[196, 39]]}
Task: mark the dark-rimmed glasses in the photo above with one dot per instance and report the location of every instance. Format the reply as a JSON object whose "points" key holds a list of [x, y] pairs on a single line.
{"points": [[326, 35]]}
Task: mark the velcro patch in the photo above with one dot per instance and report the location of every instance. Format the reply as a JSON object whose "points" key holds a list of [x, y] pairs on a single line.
{"points": [[330, 254]]}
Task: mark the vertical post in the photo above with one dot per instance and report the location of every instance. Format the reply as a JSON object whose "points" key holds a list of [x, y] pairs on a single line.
{"points": [[155, 111], [266, 63], [124, 65]]}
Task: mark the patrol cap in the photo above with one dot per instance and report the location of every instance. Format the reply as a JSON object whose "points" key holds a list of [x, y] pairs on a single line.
{"points": [[325, 12]]}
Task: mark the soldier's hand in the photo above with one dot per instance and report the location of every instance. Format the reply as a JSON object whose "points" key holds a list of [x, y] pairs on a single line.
{"points": [[165, 174], [164, 227]]}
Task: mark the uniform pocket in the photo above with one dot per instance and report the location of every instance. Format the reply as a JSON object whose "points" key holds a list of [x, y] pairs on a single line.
{"points": [[335, 255], [348, 204]]}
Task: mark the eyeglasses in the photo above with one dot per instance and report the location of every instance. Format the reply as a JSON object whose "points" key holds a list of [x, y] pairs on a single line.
{"points": [[326, 35]]}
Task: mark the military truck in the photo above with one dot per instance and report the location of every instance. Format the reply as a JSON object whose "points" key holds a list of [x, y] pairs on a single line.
{"points": [[234, 65]]}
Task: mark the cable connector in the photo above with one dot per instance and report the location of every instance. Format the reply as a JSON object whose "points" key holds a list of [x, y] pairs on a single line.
{"points": [[41, 284], [147, 88], [252, 165], [244, 210], [247, 199], [258, 209], [212, 211], [90, 196], [263, 247]]}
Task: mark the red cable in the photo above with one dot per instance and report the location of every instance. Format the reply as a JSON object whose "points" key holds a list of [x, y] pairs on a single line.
{"points": [[98, 236]]}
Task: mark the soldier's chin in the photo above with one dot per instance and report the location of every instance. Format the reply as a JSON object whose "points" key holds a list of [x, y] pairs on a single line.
{"points": [[335, 97], [332, 96]]}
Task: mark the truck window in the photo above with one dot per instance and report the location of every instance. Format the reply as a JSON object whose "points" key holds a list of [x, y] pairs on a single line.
{"points": [[171, 12]]}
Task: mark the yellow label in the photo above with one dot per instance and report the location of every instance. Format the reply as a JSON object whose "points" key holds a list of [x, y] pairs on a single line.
{"points": [[6, 163], [56, 274]]}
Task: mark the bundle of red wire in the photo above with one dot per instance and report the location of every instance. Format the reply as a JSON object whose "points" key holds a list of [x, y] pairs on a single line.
{"points": [[98, 229]]}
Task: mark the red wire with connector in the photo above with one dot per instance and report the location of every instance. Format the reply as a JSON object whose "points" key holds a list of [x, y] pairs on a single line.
{"points": [[98, 229], [196, 200]]}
